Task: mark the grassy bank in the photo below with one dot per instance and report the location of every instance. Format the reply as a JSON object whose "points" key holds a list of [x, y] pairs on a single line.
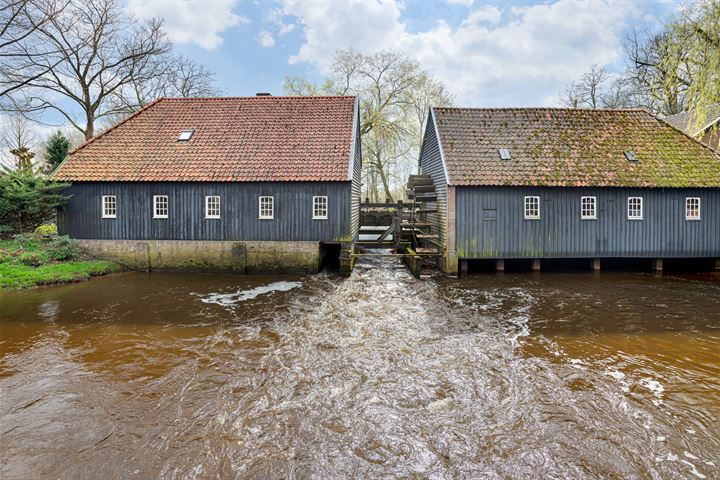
{"points": [[31, 260]]}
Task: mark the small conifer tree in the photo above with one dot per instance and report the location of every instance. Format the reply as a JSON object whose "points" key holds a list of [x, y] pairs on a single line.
{"points": [[56, 150]]}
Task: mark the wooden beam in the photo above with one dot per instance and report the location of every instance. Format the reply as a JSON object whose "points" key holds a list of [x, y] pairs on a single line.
{"points": [[596, 264], [658, 264], [535, 266], [500, 265]]}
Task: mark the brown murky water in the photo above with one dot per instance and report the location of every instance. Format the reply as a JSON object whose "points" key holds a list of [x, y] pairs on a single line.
{"points": [[379, 375]]}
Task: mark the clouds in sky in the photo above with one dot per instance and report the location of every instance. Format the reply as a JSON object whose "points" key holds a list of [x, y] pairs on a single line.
{"points": [[501, 54], [266, 39], [495, 56], [191, 21]]}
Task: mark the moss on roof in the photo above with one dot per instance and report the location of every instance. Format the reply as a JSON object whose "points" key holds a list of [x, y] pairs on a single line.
{"points": [[570, 147]]}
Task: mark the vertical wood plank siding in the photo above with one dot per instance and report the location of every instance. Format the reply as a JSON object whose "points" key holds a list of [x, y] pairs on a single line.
{"points": [[560, 232], [82, 217], [356, 183], [431, 164]]}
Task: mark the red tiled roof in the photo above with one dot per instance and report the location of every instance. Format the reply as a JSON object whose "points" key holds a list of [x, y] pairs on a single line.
{"points": [[571, 147], [242, 139]]}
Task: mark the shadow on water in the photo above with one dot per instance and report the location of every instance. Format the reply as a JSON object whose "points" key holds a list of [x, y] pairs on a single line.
{"points": [[379, 375]]}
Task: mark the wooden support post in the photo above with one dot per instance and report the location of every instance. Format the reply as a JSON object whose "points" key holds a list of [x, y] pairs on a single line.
{"points": [[463, 268], [398, 224], [717, 264], [596, 264], [658, 264], [535, 266], [500, 265]]}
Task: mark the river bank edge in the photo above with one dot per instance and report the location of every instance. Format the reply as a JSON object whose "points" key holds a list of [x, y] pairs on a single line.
{"points": [[33, 263]]}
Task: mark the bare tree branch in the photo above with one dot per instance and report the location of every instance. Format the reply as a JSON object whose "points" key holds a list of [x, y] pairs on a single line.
{"points": [[77, 58]]}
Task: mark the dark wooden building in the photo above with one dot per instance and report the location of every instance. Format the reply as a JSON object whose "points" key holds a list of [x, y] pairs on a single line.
{"points": [[250, 184], [539, 183]]}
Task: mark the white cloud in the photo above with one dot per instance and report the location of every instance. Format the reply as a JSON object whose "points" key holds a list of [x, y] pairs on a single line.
{"points": [[266, 39], [366, 25], [191, 21], [466, 3], [487, 13], [525, 59], [275, 17]]}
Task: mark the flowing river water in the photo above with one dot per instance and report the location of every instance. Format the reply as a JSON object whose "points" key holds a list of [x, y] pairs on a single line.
{"points": [[380, 375]]}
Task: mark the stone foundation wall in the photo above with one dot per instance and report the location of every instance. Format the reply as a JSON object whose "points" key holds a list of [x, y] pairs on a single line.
{"points": [[190, 255]]}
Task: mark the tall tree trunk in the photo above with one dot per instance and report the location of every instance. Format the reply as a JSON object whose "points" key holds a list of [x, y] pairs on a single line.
{"points": [[89, 119]]}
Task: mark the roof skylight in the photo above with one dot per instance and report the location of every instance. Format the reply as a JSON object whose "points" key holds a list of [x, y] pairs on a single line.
{"points": [[504, 154], [630, 155], [185, 135]]}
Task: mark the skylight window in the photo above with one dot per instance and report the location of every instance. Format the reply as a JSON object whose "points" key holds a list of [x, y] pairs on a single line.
{"points": [[185, 135], [630, 155], [504, 154]]}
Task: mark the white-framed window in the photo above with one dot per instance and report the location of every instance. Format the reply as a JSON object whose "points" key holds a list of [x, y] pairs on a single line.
{"points": [[212, 206], [692, 208], [109, 206], [320, 208], [160, 206], [267, 208], [635, 208], [588, 208], [532, 208]]}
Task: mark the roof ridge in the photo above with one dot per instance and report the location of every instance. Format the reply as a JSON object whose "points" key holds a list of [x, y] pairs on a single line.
{"points": [[112, 127], [260, 97], [639, 109]]}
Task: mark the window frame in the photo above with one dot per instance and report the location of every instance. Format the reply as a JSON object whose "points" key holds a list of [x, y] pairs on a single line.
{"points": [[208, 216], [103, 205], [641, 209], [525, 207], [189, 132], [583, 216], [315, 207], [699, 209], [260, 207], [155, 206]]}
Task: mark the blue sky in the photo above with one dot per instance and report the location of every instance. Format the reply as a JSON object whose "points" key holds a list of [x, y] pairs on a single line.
{"points": [[489, 54], [507, 53]]}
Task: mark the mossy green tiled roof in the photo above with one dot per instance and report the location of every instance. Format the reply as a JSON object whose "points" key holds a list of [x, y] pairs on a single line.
{"points": [[572, 148]]}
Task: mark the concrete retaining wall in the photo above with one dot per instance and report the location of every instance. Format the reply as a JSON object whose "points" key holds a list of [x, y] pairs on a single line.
{"points": [[200, 255]]}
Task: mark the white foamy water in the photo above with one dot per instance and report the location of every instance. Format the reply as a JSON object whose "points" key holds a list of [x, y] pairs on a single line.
{"points": [[230, 299], [378, 375]]}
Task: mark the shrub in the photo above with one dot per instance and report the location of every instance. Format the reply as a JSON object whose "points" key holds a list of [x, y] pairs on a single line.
{"points": [[27, 200], [26, 240], [46, 231], [32, 259], [63, 248], [5, 256]]}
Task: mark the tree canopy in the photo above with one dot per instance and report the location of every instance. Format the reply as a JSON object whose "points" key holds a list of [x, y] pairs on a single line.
{"points": [[395, 95], [692, 57], [667, 72], [87, 61], [56, 151]]}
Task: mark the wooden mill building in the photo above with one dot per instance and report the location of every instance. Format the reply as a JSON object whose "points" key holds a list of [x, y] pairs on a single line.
{"points": [[543, 183], [246, 184]]}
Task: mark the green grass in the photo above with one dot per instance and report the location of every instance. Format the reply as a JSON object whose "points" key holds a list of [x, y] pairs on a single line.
{"points": [[13, 274]]}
